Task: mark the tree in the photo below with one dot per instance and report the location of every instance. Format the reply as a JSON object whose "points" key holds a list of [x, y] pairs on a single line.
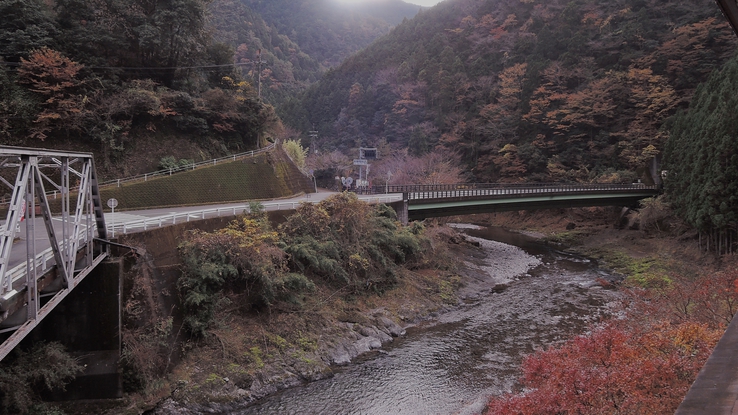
{"points": [[613, 370], [158, 35], [701, 155], [25, 374], [25, 26], [17, 109], [296, 152], [56, 79]]}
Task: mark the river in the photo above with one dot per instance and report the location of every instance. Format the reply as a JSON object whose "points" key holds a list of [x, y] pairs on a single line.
{"points": [[528, 295]]}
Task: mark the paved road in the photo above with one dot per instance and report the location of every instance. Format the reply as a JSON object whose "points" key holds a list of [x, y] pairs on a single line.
{"points": [[19, 253]]}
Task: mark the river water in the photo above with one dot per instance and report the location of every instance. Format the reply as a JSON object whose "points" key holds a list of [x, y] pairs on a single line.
{"points": [[528, 295]]}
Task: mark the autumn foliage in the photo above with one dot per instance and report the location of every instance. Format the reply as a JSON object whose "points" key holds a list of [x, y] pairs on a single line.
{"points": [[641, 364], [523, 90], [56, 79]]}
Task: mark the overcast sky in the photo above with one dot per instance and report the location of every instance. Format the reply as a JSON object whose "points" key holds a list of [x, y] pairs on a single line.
{"points": [[423, 2], [427, 3]]}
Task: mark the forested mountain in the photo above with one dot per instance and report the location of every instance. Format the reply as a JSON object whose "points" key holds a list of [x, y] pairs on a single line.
{"points": [[111, 75], [286, 70], [331, 30], [524, 89]]}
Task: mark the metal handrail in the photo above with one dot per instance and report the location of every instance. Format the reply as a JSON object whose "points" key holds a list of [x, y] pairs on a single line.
{"points": [[43, 261], [52, 195], [192, 166], [420, 188]]}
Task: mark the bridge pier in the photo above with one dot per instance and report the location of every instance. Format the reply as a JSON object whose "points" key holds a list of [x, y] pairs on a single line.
{"points": [[88, 324], [401, 208]]}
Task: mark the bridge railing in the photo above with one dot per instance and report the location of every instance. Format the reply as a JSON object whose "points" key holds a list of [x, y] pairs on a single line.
{"points": [[440, 191], [44, 261]]}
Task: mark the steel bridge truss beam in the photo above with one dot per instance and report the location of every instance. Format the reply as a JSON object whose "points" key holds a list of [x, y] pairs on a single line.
{"points": [[69, 238]]}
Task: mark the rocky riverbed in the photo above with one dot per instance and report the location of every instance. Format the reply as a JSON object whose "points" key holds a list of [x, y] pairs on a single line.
{"points": [[442, 360]]}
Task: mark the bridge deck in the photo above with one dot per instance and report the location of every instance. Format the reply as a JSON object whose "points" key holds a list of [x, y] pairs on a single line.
{"points": [[715, 391], [448, 200]]}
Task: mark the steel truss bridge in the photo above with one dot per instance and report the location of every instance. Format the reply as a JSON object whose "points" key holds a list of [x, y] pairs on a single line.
{"points": [[54, 263]]}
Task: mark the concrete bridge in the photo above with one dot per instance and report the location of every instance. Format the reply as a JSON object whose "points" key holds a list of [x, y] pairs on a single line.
{"points": [[426, 201]]}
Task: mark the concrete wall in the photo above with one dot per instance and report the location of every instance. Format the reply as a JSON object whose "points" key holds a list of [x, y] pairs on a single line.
{"points": [[88, 323]]}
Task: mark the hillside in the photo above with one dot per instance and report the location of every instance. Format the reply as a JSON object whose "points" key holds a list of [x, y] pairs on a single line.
{"points": [[135, 82], [299, 42], [524, 90], [329, 30]]}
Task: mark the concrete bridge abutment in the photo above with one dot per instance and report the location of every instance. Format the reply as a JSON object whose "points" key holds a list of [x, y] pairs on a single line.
{"points": [[88, 324]]}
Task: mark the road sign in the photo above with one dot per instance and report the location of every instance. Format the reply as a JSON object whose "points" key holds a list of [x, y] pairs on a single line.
{"points": [[360, 162], [112, 204]]}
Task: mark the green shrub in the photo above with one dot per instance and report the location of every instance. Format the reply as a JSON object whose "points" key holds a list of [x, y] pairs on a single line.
{"points": [[24, 375], [341, 241], [294, 150]]}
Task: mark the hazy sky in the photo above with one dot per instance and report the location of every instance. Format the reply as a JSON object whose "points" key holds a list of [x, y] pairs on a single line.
{"points": [[418, 2], [423, 2]]}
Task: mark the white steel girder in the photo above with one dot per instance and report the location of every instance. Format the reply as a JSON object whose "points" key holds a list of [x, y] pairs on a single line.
{"points": [[69, 243]]}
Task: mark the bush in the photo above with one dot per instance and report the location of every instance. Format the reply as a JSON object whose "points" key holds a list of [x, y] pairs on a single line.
{"points": [[171, 163], [23, 377], [296, 153], [341, 241], [349, 243]]}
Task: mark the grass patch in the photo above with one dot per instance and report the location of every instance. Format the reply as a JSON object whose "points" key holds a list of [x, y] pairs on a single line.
{"points": [[646, 272], [447, 288]]}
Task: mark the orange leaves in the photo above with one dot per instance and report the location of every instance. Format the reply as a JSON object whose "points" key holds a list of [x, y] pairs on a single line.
{"points": [[614, 370], [49, 72], [55, 78], [511, 84], [641, 364]]}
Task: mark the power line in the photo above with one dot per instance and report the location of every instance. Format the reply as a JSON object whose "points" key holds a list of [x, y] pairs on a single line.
{"points": [[148, 68]]}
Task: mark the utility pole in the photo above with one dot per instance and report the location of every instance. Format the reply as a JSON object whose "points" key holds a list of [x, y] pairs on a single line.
{"points": [[258, 88], [258, 79], [313, 139]]}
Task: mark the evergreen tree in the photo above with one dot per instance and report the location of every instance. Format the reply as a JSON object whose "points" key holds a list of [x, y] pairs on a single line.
{"points": [[24, 26], [701, 155]]}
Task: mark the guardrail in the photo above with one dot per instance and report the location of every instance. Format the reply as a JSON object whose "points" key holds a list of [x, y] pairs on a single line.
{"points": [[168, 172], [52, 195], [175, 218], [443, 191], [43, 262]]}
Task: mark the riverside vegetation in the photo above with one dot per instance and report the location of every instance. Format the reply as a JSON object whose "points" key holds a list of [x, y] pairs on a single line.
{"points": [[262, 306], [266, 307], [676, 302]]}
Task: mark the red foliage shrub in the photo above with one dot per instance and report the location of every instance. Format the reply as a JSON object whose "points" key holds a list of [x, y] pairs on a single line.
{"points": [[613, 370], [642, 364]]}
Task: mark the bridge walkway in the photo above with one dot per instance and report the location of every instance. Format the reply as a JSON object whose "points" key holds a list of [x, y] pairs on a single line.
{"points": [[715, 391]]}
